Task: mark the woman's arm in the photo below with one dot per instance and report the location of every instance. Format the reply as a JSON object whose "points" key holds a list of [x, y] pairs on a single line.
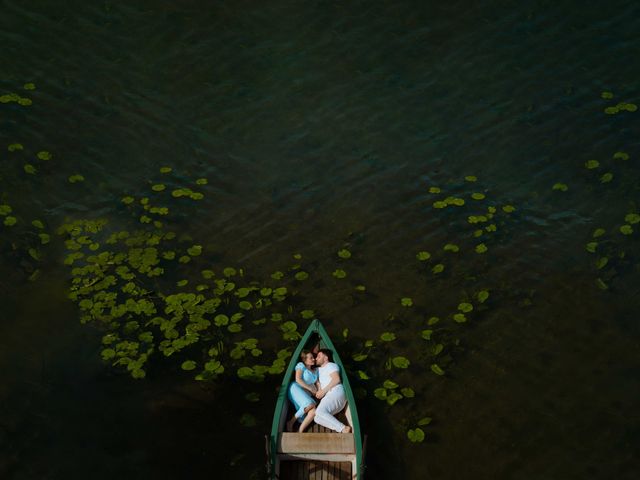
{"points": [[302, 383]]}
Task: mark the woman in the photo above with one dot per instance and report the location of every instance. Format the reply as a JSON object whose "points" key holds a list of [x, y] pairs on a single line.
{"points": [[302, 391]]}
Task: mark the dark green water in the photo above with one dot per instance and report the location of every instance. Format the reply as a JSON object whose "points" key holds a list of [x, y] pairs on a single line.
{"points": [[320, 123]]}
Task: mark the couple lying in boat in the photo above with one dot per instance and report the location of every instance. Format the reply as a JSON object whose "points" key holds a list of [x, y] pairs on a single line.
{"points": [[317, 392]]}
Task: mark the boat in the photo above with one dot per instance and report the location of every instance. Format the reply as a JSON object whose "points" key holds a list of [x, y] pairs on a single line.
{"points": [[318, 453]]}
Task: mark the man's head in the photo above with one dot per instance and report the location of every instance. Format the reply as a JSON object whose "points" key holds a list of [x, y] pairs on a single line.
{"points": [[323, 356]]}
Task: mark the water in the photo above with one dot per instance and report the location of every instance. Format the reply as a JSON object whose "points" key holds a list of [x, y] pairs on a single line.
{"points": [[318, 124]]}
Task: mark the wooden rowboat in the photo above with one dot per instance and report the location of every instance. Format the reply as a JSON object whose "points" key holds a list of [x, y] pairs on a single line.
{"points": [[318, 453]]}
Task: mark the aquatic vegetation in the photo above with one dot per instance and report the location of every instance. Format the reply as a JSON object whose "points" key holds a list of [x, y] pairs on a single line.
{"points": [[435, 368], [562, 187], [76, 178], [406, 302], [339, 273], [626, 229], [344, 253], [450, 247], [423, 256], [481, 248], [591, 164], [415, 435]]}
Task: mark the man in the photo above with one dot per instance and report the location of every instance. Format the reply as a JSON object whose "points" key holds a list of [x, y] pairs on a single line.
{"points": [[331, 394]]}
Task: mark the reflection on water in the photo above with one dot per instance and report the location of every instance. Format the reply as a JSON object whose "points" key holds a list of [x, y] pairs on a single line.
{"points": [[321, 124]]}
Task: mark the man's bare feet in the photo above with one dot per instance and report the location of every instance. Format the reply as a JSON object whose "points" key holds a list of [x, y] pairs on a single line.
{"points": [[346, 429]]}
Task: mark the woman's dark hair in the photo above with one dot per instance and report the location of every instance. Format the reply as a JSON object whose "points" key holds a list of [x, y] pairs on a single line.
{"points": [[304, 353], [328, 353]]}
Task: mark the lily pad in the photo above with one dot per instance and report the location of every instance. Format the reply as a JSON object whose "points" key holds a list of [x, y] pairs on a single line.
{"points": [[44, 155], [481, 248], [465, 307], [434, 190], [416, 435], [344, 253], [451, 247], [439, 268], [562, 187], [423, 256], [165, 169], [159, 187], [632, 218], [406, 302], [426, 334], [459, 317], [606, 178], [388, 337], [591, 164], [339, 273], [471, 178], [621, 156], [482, 295], [400, 362], [478, 196], [435, 368], [598, 232], [300, 276], [626, 230], [188, 365]]}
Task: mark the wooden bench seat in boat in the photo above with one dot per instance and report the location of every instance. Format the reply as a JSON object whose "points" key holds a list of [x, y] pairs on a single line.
{"points": [[289, 442]]}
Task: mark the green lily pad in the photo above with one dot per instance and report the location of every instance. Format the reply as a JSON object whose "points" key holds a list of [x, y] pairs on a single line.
{"points": [[482, 295], [390, 384], [194, 250], [159, 187], [478, 196], [393, 397], [508, 208], [606, 178], [450, 247], [611, 110], [626, 230], [380, 393], [76, 178], [481, 248], [439, 204], [465, 307], [632, 218], [248, 420], [201, 181], [301, 275], [439, 268], [277, 275], [602, 262], [9, 221], [344, 253], [606, 95], [416, 435], [426, 334], [591, 247], [307, 314], [408, 392], [339, 273], [229, 272], [388, 337], [361, 288], [44, 155], [406, 302], [423, 256], [400, 362], [460, 317], [601, 285], [434, 190], [471, 178], [562, 187], [598, 232], [14, 147], [424, 421], [165, 169], [188, 365], [30, 169], [5, 209], [621, 156], [591, 164], [435, 368], [433, 321]]}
